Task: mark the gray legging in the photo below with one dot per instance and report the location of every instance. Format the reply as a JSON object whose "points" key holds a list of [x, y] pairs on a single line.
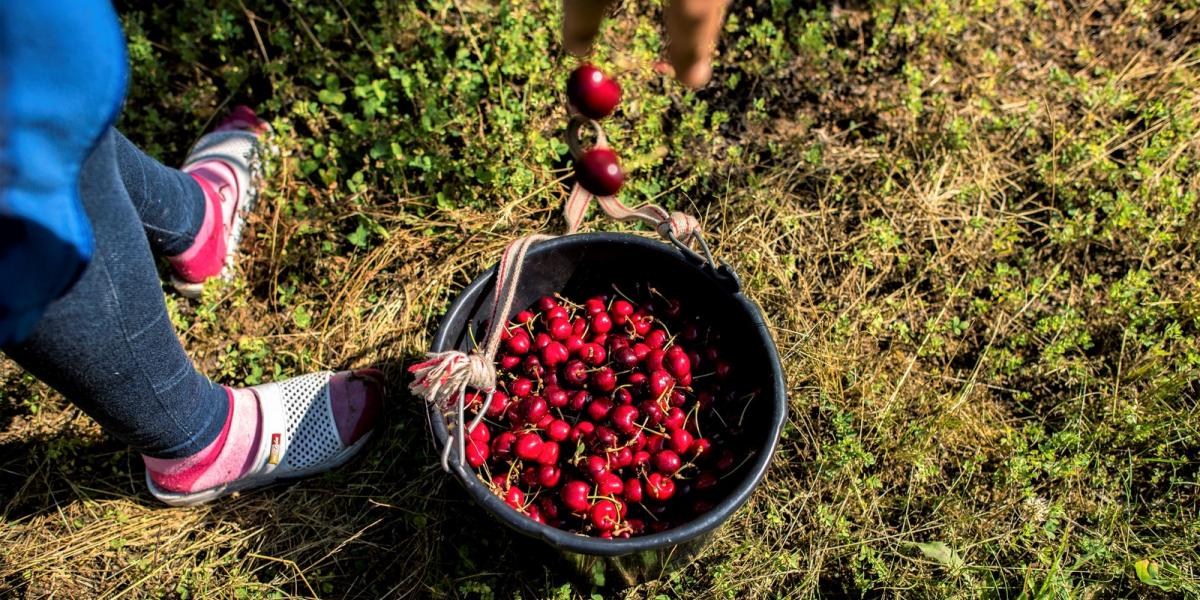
{"points": [[107, 344]]}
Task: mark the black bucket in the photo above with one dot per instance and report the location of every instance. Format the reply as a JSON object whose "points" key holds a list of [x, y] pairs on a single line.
{"points": [[585, 264]]}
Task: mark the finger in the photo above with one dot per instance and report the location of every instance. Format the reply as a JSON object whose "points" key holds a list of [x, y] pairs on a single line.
{"points": [[692, 30], [581, 22]]}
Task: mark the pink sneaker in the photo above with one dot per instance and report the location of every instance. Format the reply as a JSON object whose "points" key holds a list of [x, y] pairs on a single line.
{"points": [[227, 163]]}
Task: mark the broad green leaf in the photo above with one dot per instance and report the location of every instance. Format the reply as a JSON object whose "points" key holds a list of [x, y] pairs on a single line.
{"points": [[942, 554], [331, 97]]}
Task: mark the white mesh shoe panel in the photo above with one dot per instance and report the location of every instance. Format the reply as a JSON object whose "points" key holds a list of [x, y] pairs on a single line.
{"points": [[312, 432]]}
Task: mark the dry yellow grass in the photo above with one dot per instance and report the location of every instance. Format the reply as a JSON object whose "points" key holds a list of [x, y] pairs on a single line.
{"points": [[972, 228]]}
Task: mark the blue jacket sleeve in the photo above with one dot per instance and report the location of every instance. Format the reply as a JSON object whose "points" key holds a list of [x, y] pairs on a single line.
{"points": [[62, 78]]}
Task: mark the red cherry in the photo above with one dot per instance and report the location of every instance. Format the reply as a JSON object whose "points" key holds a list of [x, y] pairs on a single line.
{"points": [[592, 93], [660, 381], [541, 339], [678, 398], [675, 418], [622, 395], [520, 387], [575, 372], [548, 475], [524, 317], [636, 526], [641, 323], [685, 379], [653, 412], [556, 313], [582, 430], [529, 476], [481, 433], [723, 369], [575, 496], [677, 362], [535, 513], [601, 322], [655, 360], [499, 404], [604, 515], [579, 400], [706, 480], [667, 462], [579, 326], [574, 344], [625, 357], [549, 507], [633, 490], [514, 497], [509, 362], [608, 484], [556, 396], [604, 380], [641, 350], [624, 418], [599, 409], [622, 458], [622, 508], [659, 487], [622, 308], [558, 430], [546, 303], [502, 445], [681, 441], [603, 439], [519, 343], [595, 466], [656, 339], [641, 458], [560, 328], [673, 310], [555, 354], [477, 452], [593, 305], [701, 447], [528, 446], [533, 367], [725, 460], [545, 421], [637, 440], [534, 408], [599, 172], [593, 354], [549, 453], [637, 380]]}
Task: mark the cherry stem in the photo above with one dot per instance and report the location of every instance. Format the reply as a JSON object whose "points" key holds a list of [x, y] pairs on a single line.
{"points": [[573, 143]]}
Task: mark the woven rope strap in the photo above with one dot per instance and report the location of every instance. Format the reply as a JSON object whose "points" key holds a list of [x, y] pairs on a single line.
{"points": [[443, 378]]}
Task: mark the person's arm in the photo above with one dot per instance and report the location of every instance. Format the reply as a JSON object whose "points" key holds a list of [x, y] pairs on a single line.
{"points": [[692, 30]]}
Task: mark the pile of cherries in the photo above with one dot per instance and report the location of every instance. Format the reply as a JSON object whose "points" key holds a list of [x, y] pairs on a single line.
{"points": [[595, 96], [611, 418]]}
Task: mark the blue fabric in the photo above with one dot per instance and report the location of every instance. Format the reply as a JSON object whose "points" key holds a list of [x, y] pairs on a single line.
{"points": [[108, 344], [63, 74]]}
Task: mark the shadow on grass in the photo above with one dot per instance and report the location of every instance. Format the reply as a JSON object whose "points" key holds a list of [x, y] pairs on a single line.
{"points": [[389, 523]]}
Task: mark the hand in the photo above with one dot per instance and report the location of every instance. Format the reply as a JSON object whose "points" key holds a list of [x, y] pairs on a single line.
{"points": [[692, 29]]}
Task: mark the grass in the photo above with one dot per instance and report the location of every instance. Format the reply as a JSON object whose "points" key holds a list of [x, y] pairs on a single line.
{"points": [[972, 226]]}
